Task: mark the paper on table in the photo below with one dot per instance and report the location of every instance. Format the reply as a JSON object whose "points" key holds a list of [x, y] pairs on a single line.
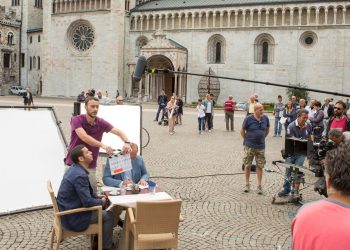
{"points": [[108, 188], [143, 186], [130, 200]]}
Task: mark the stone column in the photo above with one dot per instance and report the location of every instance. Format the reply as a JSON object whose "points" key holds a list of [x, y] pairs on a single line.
{"points": [[175, 85], [308, 17], [206, 20], [160, 22], [200, 20], [147, 89], [344, 15], [147, 23], [154, 23], [326, 16], [317, 16], [221, 20], [267, 18], [180, 87], [251, 18], [141, 23], [173, 21], [259, 18], [283, 17], [335, 16], [236, 18], [243, 22], [229, 18], [166, 22], [214, 20], [186, 20], [193, 18], [180, 17], [275, 18]]}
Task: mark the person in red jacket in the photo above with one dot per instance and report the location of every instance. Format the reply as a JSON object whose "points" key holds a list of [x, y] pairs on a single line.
{"points": [[229, 108]]}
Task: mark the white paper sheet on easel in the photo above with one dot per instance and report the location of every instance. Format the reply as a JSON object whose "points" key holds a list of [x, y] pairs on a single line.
{"points": [[120, 163]]}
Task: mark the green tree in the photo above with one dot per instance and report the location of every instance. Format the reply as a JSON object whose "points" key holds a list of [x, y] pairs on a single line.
{"points": [[299, 93]]}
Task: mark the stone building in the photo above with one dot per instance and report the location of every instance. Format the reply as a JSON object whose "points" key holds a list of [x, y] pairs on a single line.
{"points": [[30, 22], [9, 48], [95, 44]]}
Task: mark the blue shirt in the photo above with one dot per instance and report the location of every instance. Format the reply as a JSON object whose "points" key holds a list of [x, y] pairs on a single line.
{"points": [[294, 130], [138, 172], [255, 131], [76, 192]]}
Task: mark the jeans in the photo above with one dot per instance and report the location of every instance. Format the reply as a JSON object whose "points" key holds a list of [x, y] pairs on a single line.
{"points": [[296, 159], [209, 120], [160, 108], [228, 119], [201, 124], [278, 126], [107, 227]]}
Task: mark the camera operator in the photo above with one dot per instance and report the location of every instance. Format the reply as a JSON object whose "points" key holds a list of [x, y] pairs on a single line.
{"points": [[339, 121], [325, 224], [336, 136], [300, 128]]}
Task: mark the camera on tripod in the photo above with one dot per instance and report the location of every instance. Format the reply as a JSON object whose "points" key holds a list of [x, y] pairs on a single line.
{"points": [[316, 160]]}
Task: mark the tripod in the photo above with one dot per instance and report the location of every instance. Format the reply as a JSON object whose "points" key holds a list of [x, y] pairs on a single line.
{"points": [[296, 178]]}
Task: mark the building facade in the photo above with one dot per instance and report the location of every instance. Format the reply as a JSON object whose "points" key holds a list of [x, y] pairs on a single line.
{"points": [[29, 16], [9, 48], [95, 44]]}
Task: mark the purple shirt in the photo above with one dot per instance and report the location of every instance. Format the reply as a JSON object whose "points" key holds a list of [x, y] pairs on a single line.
{"points": [[95, 131]]}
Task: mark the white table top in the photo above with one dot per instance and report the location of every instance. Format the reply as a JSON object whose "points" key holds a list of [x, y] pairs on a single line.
{"points": [[130, 200]]}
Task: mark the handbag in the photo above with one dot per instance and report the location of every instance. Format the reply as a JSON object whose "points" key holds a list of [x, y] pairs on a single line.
{"points": [[283, 120]]}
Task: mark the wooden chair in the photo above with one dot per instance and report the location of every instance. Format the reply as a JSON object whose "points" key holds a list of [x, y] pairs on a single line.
{"points": [[156, 224], [61, 233]]}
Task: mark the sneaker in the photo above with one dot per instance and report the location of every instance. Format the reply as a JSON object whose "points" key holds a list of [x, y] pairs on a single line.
{"points": [[259, 190], [209, 131], [171, 133], [246, 188], [155, 120], [283, 193]]}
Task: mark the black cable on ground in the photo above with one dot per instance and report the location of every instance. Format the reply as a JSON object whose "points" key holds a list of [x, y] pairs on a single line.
{"points": [[194, 177], [148, 138]]}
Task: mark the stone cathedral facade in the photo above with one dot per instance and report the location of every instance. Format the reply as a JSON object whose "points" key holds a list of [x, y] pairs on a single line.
{"points": [[95, 44]]}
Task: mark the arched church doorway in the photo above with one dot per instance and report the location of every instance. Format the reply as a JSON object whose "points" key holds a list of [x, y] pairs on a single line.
{"points": [[156, 82]]}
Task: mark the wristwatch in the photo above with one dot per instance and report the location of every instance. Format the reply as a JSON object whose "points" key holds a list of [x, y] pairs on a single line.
{"points": [[127, 142]]}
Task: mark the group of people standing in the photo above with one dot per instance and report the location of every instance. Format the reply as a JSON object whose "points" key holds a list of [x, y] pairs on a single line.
{"points": [[171, 110], [320, 116]]}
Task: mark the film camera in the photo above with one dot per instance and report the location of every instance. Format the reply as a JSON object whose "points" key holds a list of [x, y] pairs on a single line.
{"points": [[316, 159], [316, 152]]}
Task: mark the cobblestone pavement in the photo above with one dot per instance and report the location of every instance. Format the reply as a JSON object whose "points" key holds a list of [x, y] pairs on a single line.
{"points": [[218, 215]]}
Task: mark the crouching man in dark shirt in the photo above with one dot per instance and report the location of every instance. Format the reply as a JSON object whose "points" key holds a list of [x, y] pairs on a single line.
{"points": [[76, 192]]}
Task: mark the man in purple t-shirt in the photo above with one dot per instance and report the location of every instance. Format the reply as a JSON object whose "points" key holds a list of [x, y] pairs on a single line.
{"points": [[325, 224], [88, 130], [254, 130]]}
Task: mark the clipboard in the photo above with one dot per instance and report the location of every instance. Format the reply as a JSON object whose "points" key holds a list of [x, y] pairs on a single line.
{"points": [[120, 163]]}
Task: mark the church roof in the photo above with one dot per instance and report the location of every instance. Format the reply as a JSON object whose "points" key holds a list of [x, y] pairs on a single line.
{"points": [[186, 4]]}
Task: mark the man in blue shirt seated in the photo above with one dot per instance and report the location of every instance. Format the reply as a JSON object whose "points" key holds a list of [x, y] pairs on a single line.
{"points": [[138, 174], [76, 192], [301, 129]]}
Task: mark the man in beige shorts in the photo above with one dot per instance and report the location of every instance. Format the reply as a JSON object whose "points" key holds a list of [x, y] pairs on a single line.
{"points": [[254, 130]]}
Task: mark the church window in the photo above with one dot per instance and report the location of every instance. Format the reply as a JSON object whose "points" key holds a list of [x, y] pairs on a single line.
{"points": [[6, 60], [38, 38], [38, 62], [31, 39], [15, 57], [15, 2], [308, 39], [10, 38], [81, 35], [30, 63], [218, 53], [140, 42], [264, 49], [34, 62], [216, 49]]}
